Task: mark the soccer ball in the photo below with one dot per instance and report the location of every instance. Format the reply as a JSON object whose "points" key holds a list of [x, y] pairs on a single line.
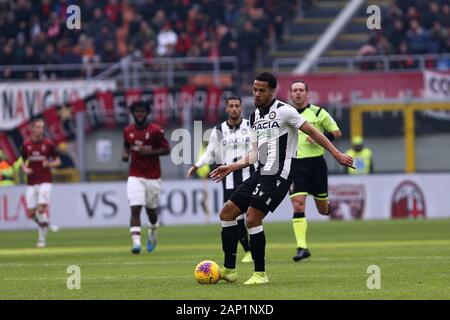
{"points": [[207, 272]]}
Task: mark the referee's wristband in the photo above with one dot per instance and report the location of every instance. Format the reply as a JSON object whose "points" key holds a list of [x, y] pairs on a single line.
{"points": [[330, 136]]}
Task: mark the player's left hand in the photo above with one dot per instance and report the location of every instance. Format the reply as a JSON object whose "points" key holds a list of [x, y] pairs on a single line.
{"points": [[45, 164], [220, 173], [344, 160], [27, 170]]}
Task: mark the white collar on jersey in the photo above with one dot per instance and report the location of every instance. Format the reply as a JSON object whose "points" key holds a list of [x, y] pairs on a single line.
{"points": [[265, 110]]}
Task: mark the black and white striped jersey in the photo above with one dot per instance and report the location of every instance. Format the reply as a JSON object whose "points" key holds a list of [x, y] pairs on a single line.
{"points": [[276, 128], [226, 145]]}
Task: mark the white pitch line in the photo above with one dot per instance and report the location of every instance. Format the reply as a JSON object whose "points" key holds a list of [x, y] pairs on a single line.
{"points": [[165, 262], [127, 278], [81, 264], [179, 247]]}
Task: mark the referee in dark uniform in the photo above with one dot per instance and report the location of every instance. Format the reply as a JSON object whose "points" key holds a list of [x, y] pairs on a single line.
{"points": [[309, 169]]}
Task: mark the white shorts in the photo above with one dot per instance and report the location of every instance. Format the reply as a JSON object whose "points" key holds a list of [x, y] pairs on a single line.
{"points": [[38, 194], [143, 192]]}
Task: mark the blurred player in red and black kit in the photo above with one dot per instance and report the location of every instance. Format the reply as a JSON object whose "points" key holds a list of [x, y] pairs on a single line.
{"points": [[39, 157], [145, 142]]}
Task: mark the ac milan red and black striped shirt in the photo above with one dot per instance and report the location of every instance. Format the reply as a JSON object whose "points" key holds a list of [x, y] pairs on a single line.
{"points": [[144, 166], [36, 152]]}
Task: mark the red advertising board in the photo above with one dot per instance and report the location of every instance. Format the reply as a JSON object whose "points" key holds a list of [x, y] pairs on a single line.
{"points": [[339, 88]]}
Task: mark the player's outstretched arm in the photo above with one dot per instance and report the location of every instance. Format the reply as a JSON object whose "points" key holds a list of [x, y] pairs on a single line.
{"points": [[341, 158], [224, 170]]}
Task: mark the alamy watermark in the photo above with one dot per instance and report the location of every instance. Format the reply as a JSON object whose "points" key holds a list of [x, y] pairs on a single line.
{"points": [[227, 149], [187, 143], [73, 20], [373, 22], [374, 280], [74, 280]]}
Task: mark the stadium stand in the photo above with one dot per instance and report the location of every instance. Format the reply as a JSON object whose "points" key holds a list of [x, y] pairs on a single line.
{"points": [[408, 27], [33, 32], [257, 32], [313, 20], [411, 27]]}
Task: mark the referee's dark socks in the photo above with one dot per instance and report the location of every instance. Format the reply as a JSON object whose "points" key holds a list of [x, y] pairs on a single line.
{"points": [[298, 215], [230, 238], [243, 234], [258, 247]]}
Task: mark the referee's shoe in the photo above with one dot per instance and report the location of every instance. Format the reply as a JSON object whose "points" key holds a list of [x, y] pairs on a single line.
{"points": [[301, 254]]}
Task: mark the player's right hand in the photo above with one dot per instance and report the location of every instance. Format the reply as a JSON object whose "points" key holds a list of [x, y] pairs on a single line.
{"points": [[344, 160], [220, 172], [191, 171], [125, 156]]}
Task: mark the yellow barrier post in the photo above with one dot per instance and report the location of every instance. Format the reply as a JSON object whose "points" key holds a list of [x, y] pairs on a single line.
{"points": [[408, 111], [410, 140]]}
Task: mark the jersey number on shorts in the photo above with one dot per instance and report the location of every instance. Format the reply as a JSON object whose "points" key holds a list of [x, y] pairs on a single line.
{"points": [[256, 189]]}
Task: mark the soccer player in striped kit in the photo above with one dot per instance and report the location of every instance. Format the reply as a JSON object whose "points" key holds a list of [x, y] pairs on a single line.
{"points": [[39, 158], [144, 142], [229, 142], [275, 125]]}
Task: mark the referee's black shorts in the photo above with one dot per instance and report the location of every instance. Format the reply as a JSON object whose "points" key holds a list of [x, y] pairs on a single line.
{"points": [[309, 176], [262, 192]]}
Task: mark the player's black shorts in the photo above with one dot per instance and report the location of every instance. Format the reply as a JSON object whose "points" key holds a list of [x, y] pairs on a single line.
{"points": [[262, 192], [227, 193], [309, 176]]}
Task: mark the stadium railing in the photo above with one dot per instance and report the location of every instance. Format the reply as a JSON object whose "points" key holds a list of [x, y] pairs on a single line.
{"points": [[132, 72]]}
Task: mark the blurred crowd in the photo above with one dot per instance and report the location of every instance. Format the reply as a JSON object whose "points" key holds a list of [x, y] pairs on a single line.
{"points": [[411, 27], [35, 32]]}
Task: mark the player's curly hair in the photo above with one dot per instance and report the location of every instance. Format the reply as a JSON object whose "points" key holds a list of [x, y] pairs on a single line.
{"points": [[140, 104]]}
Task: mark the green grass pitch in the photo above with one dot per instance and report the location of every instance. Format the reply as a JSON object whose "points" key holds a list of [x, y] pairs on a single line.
{"points": [[413, 256]]}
